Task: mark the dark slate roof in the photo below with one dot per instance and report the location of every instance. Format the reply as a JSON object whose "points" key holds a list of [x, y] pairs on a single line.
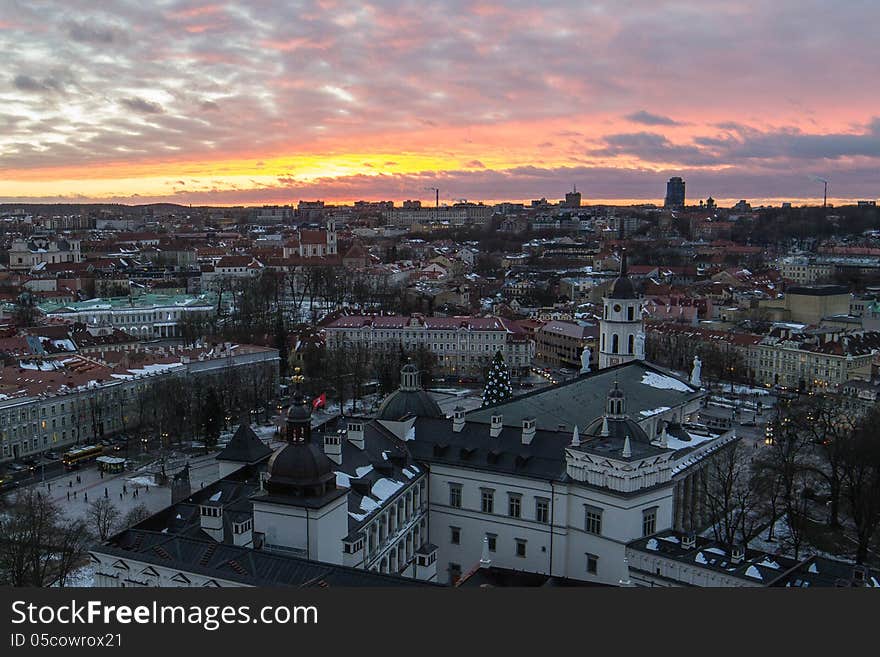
{"points": [[245, 447], [821, 571], [757, 567], [408, 402], [239, 564], [384, 460], [473, 448], [581, 400]]}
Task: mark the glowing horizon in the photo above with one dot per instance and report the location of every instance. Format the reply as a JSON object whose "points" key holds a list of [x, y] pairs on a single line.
{"points": [[220, 104]]}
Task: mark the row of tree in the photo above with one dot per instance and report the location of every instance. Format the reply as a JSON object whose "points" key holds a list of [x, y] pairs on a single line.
{"points": [[39, 546], [822, 467]]}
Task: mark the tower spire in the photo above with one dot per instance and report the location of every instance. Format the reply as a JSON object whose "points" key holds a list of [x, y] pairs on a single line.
{"points": [[627, 448], [576, 437]]}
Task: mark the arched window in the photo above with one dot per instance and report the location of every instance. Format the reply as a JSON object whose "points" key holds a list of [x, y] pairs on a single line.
{"points": [[615, 344], [631, 344]]}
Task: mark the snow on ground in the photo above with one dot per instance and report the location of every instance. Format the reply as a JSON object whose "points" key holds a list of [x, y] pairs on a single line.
{"points": [[664, 382], [746, 390], [83, 577], [654, 411], [142, 481]]}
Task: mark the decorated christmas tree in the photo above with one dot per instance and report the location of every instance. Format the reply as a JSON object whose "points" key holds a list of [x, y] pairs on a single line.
{"points": [[498, 387]]}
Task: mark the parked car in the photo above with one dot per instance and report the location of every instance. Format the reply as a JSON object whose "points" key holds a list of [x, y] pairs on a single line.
{"points": [[51, 456]]}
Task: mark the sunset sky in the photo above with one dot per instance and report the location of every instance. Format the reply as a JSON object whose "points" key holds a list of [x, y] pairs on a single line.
{"points": [[272, 101]]}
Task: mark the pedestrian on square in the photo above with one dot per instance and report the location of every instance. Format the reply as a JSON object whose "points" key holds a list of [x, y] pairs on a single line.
{"points": [[68, 496], [74, 494], [106, 492], [124, 489], [85, 497]]}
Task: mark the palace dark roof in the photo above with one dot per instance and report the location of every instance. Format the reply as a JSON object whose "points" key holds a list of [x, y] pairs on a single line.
{"points": [[582, 400], [205, 557], [245, 447]]}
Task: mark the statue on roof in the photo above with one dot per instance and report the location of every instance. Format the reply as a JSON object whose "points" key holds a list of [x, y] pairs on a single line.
{"points": [[696, 371], [586, 356]]}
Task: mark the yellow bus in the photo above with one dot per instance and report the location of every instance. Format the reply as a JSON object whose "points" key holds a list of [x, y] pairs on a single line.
{"points": [[79, 455]]}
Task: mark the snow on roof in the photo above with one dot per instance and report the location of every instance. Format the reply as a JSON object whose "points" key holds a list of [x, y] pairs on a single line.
{"points": [[769, 563], [754, 573], [664, 382], [216, 496], [654, 411], [701, 558], [652, 544]]}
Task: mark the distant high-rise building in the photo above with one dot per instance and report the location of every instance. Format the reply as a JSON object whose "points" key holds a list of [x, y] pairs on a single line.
{"points": [[573, 199], [674, 193]]}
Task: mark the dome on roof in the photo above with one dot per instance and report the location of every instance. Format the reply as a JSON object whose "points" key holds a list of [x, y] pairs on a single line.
{"points": [[622, 288], [618, 429], [408, 402], [300, 470], [409, 399]]}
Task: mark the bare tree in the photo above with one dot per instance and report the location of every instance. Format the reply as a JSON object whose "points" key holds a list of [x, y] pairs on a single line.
{"points": [[37, 546], [103, 516], [862, 482]]}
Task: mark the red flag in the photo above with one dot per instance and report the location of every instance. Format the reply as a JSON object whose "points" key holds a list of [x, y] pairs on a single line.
{"points": [[320, 400]]}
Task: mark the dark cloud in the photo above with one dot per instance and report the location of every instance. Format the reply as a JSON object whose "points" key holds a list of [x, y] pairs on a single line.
{"points": [[87, 32], [653, 147], [27, 83], [476, 164], [647, 118], [142, 106]]}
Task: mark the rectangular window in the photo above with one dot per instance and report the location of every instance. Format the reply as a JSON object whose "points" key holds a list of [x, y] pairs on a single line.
{"points": [[520, 547], [488, 500], [455, 495], [455, 535], [592, 564], [593, 523], [649, 521], [492, 541], [542, 510], [514, 505]]}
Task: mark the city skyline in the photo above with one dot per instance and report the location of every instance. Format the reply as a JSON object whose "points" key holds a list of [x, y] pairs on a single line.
{"points": [[221, 104]]}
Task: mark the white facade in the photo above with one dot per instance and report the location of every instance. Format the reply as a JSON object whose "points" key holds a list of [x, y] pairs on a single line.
{"points": [[621, 332]]}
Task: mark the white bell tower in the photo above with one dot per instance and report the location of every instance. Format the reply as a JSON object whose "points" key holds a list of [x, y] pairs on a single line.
{"points": [[621, 329]]}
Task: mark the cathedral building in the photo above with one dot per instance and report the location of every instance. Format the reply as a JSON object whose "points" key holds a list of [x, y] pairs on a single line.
{"points": [[554, 483]]}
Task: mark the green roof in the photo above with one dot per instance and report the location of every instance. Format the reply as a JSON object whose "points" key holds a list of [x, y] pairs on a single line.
{"points": [[143, 301]]}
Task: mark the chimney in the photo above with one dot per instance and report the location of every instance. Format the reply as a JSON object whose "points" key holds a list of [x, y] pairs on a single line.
{"points": [[495, 427], [212, 521], [688, 541], [355, 433], [333, 445], [457, 419], [528, 430], [737, 554]]}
